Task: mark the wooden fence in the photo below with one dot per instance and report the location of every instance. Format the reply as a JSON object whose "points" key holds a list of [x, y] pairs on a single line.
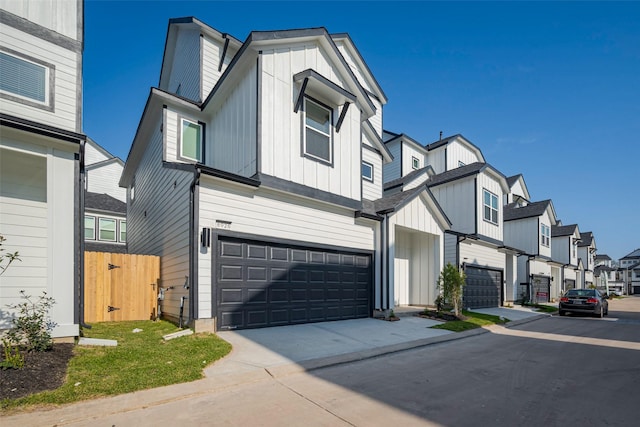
{"points": [[120, 286]]}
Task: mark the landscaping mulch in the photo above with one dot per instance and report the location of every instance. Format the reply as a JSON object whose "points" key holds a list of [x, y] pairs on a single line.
{"points": [[43, 370], [442, 316]]}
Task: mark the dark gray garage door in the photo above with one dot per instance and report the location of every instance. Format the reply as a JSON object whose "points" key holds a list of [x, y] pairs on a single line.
{"points": [[262, 284], [483, 288]]}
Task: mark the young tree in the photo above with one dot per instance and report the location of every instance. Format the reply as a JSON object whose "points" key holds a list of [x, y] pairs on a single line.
{"points": [[450, 283]]}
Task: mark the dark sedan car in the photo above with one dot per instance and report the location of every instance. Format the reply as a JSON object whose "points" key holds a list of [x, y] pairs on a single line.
{"points": [[584, 301]]}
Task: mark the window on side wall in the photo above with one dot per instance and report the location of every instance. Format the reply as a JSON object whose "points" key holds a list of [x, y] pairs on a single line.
{"points": [[26, 80], [89, 227], [415, 163], [191, 140], [490, 201], [545, 234], [318, 143], [123, 231], [367, 171], [107, 229]]}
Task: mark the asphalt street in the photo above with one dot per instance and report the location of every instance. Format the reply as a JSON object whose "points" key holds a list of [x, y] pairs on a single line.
{"points": [[573, 370]]}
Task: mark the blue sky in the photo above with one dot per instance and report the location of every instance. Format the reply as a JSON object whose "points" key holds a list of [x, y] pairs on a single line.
{"points": [[549, 90]]}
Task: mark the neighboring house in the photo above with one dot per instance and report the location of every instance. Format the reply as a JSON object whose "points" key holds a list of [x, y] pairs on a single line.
{"points": [[471, 197], [41, 156], [630, 267], [105, 223], [103, 171], [586, 252], [527, 226], [256, 175], [452, 152], [518, 191], [105, 208], [603, 259], [609, 279], [564, 252]]}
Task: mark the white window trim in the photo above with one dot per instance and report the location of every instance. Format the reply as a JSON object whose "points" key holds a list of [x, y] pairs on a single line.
{"points": [[94, 227], [545, 237], [49, 82], [181, 142], [370, 179], [305, 127], [120, 222], [415, 162], [115, 223], [491, 208]]}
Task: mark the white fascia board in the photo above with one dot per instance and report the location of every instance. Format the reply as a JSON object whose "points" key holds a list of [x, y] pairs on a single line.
{"points": [[152, 112]]}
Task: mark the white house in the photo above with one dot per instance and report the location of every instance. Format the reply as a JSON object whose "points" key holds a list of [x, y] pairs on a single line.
{"points": [[630, 266], [471, 196], [256, 175], [105, 208], [527, 226], [41, 156], [586, 252], [564, 252]]}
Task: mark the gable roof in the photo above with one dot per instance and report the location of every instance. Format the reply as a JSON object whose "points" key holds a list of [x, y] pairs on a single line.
{"points": [[396, 201], [586, 238], [513, 179], [467, 171], [564, 230], [602, 257], [367, 127], [404, 138], [632, 255], [104, 203], [512, 211], [445, 141], [403, 180]]}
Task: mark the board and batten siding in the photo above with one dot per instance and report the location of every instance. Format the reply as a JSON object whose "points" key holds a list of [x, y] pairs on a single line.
{"points": [[457, 199], [450, 249], [391, 170], [376, 120], [65, 87], [37, 198], [63, 18], [282, 129], [457, 152], [486, 228], [276, 216], [231, 135], [158, 220], [435, 159], [353, 65], [372, 190], [560, 249], [484, 256], [522, 234], [408, 152], [104, 179], [184, 79], [211, 56]]}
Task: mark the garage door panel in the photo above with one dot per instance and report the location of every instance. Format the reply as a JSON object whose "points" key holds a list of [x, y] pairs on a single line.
{"points": [[483, 288], [260, 284]]}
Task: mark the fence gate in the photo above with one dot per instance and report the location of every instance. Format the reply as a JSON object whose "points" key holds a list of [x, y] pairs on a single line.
{"points": [[120, 286]]}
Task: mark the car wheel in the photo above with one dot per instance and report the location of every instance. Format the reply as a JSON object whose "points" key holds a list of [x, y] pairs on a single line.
{"points": [[601, 313]]}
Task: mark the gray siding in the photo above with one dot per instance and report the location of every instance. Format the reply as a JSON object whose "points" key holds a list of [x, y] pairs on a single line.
{"points": [[391, 170], [158, 220], [185, 70]]}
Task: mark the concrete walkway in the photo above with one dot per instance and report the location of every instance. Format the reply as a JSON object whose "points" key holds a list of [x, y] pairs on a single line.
{"points": [[264, 354]]}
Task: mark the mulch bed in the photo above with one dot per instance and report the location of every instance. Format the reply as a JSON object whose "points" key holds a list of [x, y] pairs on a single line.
{"points": [[45, 370], [442, 316]]}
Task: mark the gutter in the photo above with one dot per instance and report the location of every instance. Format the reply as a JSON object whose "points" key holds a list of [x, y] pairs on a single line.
{"points": [[81, 180], [193, 262]]}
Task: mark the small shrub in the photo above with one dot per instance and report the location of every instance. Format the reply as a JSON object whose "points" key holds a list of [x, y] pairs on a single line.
{"points": [[451, 283], [32, 326], [13, 359]]}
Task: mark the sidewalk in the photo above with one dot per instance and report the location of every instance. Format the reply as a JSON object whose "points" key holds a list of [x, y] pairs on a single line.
{"points": [[264, 354]]}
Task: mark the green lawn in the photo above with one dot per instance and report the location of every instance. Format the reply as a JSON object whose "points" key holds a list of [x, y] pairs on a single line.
{"points": [[473, 321], [140, 361]]}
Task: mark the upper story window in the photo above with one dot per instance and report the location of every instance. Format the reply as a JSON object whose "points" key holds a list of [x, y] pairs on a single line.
{"points": [[367, 171], [545, 235], [490, 201], [26, 80], [107, 229], [191, 140], [317, 131], [415, 162]]}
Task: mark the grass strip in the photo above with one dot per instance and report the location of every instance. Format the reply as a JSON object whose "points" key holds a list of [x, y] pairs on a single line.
{"points": [[473, 320]]}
